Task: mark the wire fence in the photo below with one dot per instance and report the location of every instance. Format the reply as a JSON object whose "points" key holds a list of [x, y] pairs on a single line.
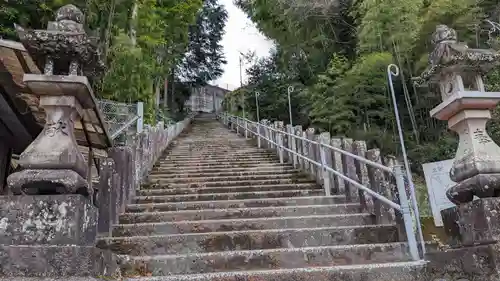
{"points": [[116, 115]]}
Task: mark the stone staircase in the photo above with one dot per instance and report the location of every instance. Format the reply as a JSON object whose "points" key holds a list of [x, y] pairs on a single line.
{"points": [[219, 208]]}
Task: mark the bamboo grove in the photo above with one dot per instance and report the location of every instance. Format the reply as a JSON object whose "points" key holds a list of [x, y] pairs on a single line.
{"points": [[335, 54]]}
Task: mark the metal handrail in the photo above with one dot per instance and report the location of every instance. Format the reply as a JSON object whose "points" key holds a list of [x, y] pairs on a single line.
{"points": [[354, 156], [404, 205]]}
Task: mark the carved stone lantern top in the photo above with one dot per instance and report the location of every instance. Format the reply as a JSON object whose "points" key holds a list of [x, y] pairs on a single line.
{"points": [[64, 48], [452, 57]]}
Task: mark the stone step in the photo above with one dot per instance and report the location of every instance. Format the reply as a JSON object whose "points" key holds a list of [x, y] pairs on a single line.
{"points": [[220, 156], [200, 149], [187, 170], [225, 155], [245, 203], [235, 162], [226, 178], [400, 271], [213, 214], [228, 196], [160, 190], [158, 183], [198, 226], [225, 173], [181, 167], [249, 240], [283, 258], [221, 145]]}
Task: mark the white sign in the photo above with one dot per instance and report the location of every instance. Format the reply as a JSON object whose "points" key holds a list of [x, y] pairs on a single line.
{"points": [[437, 177]]}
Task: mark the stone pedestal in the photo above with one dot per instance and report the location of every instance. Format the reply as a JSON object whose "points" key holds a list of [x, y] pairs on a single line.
{"points": [[474, 223], [51, 236]]}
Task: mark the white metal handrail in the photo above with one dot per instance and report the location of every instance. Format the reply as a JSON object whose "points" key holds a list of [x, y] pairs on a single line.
{"points": [[404, 205]]}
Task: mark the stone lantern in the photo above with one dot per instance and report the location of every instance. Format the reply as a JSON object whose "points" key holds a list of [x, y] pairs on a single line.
{"points": [[458, 71], [52, 163], [48, 228]]}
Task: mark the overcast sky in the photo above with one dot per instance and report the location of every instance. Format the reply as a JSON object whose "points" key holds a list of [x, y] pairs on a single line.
{"points": [[241, 36]]}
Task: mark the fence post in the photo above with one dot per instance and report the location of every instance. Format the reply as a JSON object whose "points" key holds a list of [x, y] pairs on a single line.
{"points": [[246, 128], [279, 141], [298, 146], [258, 135], [366, 200], [140, 114], [350, 171], [405, 210], [378, 183], [291, 140], [237, 125], [310, 151], [325, 139], [339, 185]]}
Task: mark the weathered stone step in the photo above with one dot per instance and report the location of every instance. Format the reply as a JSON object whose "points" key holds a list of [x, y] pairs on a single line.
{"points": [[231, 183], [181, 167], [224, 173], [228, 196], [283, 258], [221, 145], [225, 155], [228, 169], [245, 203], [178, 227], [159, 191], [401, 271], [218, 153], [225, 178], [249, 240], [159, 183], [227, 152], [234, 161], [213, 214]]}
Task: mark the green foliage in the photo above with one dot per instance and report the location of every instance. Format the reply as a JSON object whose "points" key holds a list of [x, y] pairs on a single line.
{"points": [[143, 41], [337, 58], [204, 58]]}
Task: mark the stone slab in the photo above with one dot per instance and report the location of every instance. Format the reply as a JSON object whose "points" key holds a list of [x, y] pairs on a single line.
{"points": [[473, 223], [268, 259], [250, 240], [47, 219], [405, 271], [205, 226], [57, 261], [38, 181], [470, 263]]}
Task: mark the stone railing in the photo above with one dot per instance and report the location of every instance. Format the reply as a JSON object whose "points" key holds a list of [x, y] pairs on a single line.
{"points": [[341, 166], [127, 167]]}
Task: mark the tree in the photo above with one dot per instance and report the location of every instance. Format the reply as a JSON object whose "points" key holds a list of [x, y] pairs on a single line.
{"points": [[204, 58]]}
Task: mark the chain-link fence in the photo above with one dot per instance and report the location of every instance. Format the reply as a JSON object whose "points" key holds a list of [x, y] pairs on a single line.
{"points": [[119, 118]]}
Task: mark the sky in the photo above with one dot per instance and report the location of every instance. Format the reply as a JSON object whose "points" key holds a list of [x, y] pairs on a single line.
{"points": [[241, 36]]}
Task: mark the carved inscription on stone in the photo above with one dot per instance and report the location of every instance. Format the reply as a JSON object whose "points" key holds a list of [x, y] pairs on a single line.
{"points": [[481, 136]]}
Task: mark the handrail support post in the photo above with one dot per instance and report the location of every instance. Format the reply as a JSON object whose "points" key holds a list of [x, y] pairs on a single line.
{"points": [[406, 212]]}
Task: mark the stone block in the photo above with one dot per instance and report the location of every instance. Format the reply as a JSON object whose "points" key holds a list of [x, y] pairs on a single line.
{"points": [[47, 219], [38, 182], [474, 223], [57, 261], [478, 263]]}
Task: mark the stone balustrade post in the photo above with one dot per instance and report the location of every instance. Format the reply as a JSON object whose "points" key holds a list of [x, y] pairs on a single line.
{"points": [[326, 161], [349, 169]]}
